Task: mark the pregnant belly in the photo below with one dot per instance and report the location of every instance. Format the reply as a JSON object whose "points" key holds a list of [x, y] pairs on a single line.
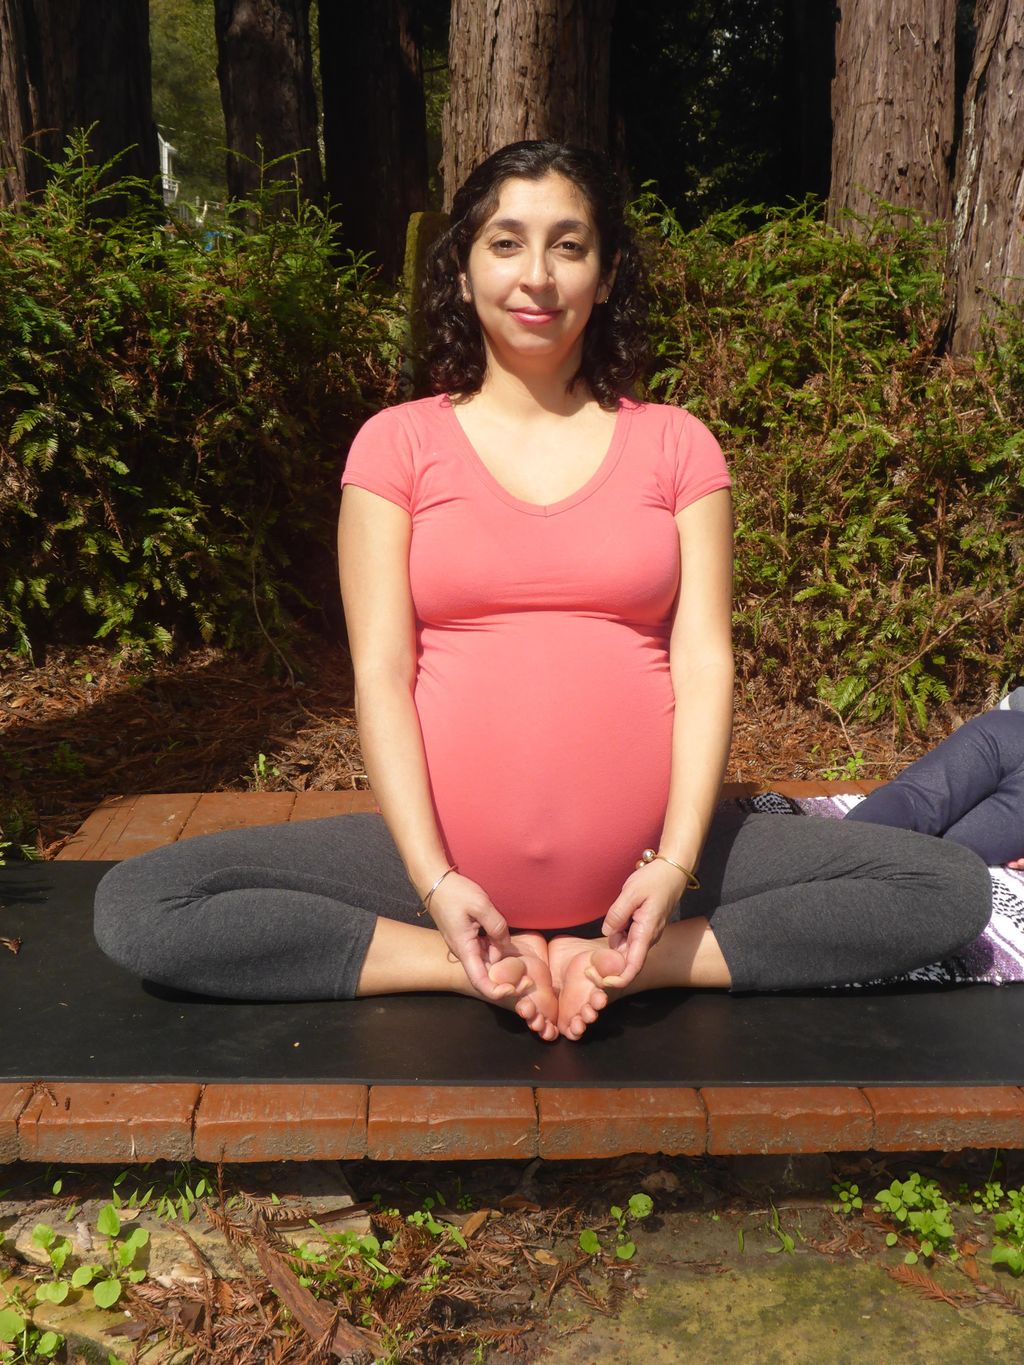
{"points": [[549, 785]]}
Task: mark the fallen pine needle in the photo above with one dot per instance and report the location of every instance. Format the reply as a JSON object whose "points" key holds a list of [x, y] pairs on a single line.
{"points": [[924, 1284]]}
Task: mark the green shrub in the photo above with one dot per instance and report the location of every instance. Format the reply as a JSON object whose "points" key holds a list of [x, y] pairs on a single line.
{"points": [[173, 407], [878, 487]]}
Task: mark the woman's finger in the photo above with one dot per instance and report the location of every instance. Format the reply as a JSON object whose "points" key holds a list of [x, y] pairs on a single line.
{"points": [[473, 957], [638, 942], [495, 927], [620, 912]]}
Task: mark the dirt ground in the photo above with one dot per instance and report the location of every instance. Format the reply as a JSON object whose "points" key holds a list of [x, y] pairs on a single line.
{"points": [[83, 725], [737, 1259]]}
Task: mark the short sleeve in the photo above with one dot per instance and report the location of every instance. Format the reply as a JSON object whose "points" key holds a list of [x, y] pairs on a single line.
{"points": [[699, 467], [381, 459]]}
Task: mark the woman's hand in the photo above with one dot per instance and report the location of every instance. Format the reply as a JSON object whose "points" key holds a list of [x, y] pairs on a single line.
{"points": [[638, 917], [461, 909]]}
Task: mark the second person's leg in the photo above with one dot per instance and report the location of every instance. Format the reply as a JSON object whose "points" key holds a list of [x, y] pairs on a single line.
{"points": [[969, 788]]}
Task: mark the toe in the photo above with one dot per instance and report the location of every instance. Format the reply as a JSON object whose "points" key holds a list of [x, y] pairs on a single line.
{"points": [[605, 964], [509, 971]]}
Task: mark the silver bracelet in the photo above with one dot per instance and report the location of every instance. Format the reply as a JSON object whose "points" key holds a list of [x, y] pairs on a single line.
{"points": [[426, 899]]}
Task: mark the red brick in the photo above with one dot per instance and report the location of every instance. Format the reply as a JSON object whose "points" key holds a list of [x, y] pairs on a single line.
{"points": [[106, 822], [744, 1120], [732, 791], [13, 1099], [152, 822], [579, 1124], [453, 1122], [216, 811], [281, 1123], [317, 805], [92, 1121], [911, 1118]]}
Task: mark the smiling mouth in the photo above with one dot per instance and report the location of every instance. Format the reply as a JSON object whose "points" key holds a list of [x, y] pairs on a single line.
{"points": [[533, 317]]}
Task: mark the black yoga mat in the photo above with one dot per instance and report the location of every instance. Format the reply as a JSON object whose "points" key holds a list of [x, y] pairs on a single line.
{"points": [[67, 1013]]}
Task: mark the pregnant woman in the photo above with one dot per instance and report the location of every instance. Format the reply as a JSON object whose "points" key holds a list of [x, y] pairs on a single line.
{"points": [[536, 573]]}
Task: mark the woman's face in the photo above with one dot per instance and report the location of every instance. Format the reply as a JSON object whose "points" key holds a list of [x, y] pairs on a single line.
{"points": [[534, 275]]}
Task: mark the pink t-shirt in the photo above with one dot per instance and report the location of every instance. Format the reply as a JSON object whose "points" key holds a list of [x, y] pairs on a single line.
{"points": [[542, 686]]}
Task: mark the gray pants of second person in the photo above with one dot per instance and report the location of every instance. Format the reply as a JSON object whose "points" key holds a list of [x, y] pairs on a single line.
{"points": [[287, 912], [969, 788]]}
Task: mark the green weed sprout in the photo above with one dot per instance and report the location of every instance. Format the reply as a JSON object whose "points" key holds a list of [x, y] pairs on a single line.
{"points": [[21, 1340], [639, 1206], [1008, 1247], [921, 1209], [106, 1281], [848, 1198]]}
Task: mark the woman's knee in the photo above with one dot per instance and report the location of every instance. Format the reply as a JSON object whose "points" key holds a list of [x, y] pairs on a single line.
{"points": [[131, 899], [1002, 732], [953, 889]]}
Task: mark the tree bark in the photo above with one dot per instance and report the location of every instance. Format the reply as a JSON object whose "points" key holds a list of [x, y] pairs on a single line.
{"points": [[22, 173], [67, 64], [265, 70], [893, 106], [987, 234], [375, 128], [524, 69]]}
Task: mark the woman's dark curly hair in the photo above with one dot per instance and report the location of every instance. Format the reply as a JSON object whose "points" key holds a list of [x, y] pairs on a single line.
{"points": [[615, 344]]}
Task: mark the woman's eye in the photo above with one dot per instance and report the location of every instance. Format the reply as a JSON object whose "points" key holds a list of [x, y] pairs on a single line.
{"points": [[571, 248], [504, 244]]}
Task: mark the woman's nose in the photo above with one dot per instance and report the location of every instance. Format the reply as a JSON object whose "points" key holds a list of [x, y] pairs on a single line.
{"points": [[536, 271]]}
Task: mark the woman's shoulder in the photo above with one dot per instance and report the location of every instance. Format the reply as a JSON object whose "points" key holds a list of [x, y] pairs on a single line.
{"points": [[411, 418], [672, 428], [666, 417]]}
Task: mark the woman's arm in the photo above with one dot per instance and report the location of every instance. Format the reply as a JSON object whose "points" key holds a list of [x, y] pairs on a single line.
{"points": [[373, 559], [700, 657]]}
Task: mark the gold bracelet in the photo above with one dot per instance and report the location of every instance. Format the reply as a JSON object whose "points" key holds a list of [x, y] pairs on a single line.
{"points": [[649, 856], [426, 899]]}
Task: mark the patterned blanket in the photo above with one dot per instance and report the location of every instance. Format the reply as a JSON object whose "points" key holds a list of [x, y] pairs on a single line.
{"points": [[996, 957]]}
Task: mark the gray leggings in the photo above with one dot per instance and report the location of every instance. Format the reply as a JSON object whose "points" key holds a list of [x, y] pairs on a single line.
{"points": [[286, 912], [969, 788]]}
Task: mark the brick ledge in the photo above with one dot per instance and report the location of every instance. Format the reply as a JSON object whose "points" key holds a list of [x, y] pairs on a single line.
{"points": [[101, 1122]]}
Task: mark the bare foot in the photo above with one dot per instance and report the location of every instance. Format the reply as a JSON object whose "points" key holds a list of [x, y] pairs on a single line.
{"points": [[534, 999], [579, 969]]}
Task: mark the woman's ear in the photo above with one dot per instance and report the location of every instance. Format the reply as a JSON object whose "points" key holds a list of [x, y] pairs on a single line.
{"points": [[467, 293], [608, 283]]}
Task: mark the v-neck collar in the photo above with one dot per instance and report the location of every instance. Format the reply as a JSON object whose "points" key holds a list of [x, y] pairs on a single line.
{"points": [[536, 509]]}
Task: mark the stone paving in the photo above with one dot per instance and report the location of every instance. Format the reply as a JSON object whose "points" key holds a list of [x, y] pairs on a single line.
{"points": [[741, 1259]]}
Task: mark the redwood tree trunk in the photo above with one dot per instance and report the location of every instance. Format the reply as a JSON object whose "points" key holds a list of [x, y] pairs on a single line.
{"points": [[524, 69], [375, 128], [893, 106], [67, 64], [987, 240], [22, 173], [265, 70]]}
